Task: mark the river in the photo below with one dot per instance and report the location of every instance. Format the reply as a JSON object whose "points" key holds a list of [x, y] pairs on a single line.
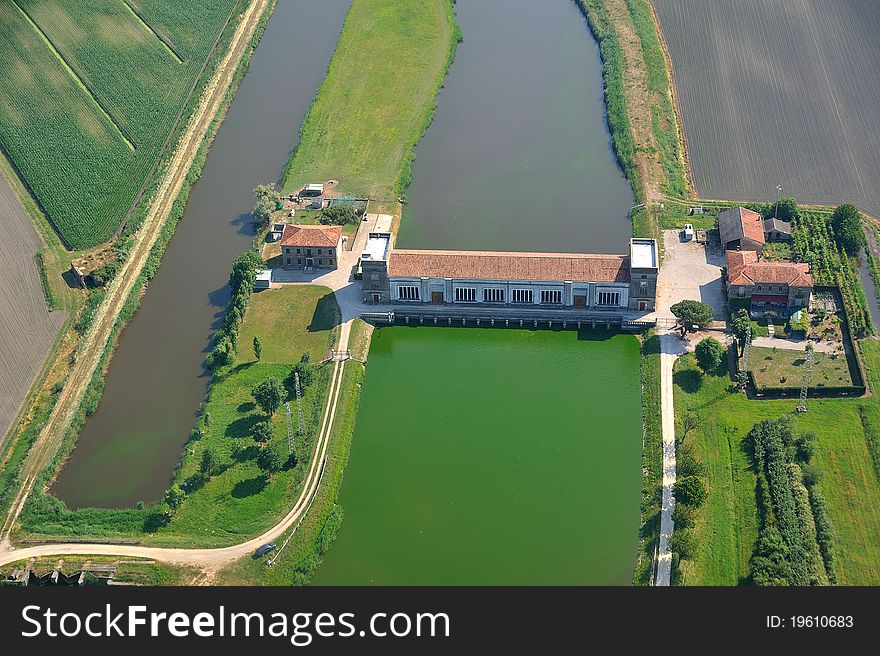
{"points": [[156, 381], [519, 155]]}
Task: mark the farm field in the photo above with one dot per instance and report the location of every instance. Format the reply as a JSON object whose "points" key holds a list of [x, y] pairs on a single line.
{"points": [[727, 524], [26, 324], [377, 98], [779, 93], [92, 89]]}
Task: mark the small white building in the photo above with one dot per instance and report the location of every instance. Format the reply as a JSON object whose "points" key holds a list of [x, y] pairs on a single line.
{"points": [[263, 279]]}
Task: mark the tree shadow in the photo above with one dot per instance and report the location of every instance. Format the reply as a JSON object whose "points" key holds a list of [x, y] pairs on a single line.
{"points": [[248, 453], [326, 314], [689, 380], [598, 335], [651, 346], [247, 406], [249, 487], [243, 426]]}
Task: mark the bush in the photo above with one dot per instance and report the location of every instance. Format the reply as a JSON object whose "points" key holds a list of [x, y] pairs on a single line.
{"points": [[709, 354], [262, 432], [338, 215], [684, 543], [270, 460], [102, 276], [690, 490]]}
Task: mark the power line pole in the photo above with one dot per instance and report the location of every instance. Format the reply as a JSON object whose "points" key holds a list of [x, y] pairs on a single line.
{"points": [[805, 381]]}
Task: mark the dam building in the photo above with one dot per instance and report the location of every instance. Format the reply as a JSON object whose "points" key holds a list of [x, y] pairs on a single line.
{"points": [[496, 279]]}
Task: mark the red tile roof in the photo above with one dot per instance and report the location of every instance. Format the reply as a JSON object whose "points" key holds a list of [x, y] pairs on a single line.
{"points": [[311, 235], [740, 223], [743, 268], [488, 265]]}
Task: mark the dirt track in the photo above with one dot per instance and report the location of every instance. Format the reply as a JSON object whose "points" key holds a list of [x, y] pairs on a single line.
{"points": [[92, 346]]}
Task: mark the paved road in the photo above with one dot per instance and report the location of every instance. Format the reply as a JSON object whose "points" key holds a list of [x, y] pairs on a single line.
{"points": [[670, 349]]}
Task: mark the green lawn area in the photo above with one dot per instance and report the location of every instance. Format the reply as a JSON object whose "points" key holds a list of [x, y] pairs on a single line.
{"points": [[289, 321], [727, 524], [377, 98], [784, 369]]}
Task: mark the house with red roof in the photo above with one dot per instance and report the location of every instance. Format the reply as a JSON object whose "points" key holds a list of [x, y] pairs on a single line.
{"points": [[311, 246], [783, 287]]}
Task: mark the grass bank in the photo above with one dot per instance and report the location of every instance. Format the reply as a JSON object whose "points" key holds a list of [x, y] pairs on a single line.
{"points": [[712, 421], [377, 98]]}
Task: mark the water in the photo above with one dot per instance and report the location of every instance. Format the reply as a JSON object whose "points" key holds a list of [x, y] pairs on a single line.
{"points": [[519, 156], [492, 456], [156, 381]]}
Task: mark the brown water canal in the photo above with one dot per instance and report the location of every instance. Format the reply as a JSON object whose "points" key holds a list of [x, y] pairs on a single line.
{"points": [[156, 380]]}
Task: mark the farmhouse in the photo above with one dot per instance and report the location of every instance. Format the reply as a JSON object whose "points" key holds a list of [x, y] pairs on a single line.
{"points": [[778, 286], [741, 229], [489, 278], [311, 246]]}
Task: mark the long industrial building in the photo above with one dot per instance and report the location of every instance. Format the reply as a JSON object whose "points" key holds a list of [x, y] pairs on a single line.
{"points": [[489, 278]]}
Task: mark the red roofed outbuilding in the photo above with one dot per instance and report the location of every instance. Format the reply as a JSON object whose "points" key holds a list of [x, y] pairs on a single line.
{"points": [[741, 229]]}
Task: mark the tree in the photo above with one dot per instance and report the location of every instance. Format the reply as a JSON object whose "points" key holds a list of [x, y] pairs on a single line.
{"points": [[684, 543], [739, 324], [709, 354], [258, 348], [244, 272], [104, 274], [690, 491], [306, 372], [174, 496], [786, 209], [270, 460], [208, 463], [338, 215], [262, 432], [683, 517], [695, 313], [222, 354], [269, 394], [847, 224], [267, 198]]}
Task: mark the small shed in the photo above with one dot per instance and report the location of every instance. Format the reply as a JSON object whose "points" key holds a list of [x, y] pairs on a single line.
{"points": [[312, 190], [263, 279]]}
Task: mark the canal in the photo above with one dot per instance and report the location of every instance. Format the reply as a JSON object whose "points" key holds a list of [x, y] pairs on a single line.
{"points": [[519, 156], [156, 381], [489, 456]]}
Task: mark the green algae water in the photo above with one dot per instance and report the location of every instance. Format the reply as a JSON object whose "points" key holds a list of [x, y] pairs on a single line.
{"points": [[492, 456]]}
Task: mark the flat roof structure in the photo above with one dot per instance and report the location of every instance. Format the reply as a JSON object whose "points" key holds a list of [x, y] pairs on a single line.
{"points": [[643, 253], [377, 246]]}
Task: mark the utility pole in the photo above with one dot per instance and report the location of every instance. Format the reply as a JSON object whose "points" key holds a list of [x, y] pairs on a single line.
{"points": [[805, 382], [778, 194]]}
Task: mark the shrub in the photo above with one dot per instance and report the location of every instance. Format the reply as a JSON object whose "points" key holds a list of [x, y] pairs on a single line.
{"points": [[270, 460], [690, 490], [338, 215], [709, 354], [262, 432], [269, 394], [684, 543]]}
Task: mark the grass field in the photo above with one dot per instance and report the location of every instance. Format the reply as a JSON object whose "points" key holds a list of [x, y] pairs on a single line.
{"points": [[90, 94], [377, 98], [275, 314], [237, 501], [742, 97], [783, 368], [727, 524]]}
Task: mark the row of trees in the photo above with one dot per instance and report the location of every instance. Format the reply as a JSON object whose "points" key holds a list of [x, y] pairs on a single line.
{"points": [[241, 282], [794, 547]]}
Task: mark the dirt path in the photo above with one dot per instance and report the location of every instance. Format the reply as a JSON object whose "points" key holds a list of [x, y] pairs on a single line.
{"points": [[91, 348]]}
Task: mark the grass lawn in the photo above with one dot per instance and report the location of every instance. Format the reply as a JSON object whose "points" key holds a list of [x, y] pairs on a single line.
{"points": [[289, 321], [727, 524], [377, 98], [784, 368]]}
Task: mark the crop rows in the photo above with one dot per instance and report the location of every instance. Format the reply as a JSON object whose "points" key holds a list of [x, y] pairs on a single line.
{"points": [[779, 93], [90, 95]]}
